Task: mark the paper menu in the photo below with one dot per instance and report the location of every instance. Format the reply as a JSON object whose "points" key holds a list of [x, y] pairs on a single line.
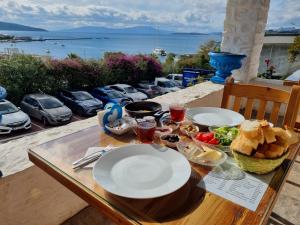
{"points": [[246, 192]]}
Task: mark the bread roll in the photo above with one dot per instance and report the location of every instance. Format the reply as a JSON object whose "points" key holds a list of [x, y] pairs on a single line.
{"points": [[274, 151], [242, 144], [250, 129], [269, 134]]}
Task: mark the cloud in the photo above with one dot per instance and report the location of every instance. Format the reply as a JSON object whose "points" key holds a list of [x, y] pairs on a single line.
{"points": [[181, 15], [178, 15], [284, 13]]}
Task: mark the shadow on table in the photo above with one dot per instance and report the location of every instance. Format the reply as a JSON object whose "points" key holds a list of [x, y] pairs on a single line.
{"points": [[166, 208]]}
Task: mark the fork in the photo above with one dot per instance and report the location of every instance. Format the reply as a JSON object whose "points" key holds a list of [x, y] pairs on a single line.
{"points": [[92, 155]]}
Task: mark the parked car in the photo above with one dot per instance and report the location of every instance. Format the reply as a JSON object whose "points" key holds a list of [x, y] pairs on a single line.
{"points": [[12, 118], [46, 108], [129, 91], [176, 84], [176, 77], [106, 95], [166, 85], [150, 90], [81, 102]]}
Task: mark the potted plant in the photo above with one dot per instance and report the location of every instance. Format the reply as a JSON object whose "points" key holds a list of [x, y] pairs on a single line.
{"points": [[224, 63]]}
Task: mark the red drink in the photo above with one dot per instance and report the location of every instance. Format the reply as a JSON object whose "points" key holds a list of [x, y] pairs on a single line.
{"points": [[177, 113], [145, 131]]}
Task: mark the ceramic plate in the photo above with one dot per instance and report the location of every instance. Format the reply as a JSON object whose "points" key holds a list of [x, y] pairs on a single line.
{"points": [[211, 116], [142, 171]]}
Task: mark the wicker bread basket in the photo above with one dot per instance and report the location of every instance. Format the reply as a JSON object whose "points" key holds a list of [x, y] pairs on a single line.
{"points": [[257, 165]]}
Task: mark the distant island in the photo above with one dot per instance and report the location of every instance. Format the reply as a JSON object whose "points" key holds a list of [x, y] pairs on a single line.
{"points": [[18, 27], [283, 31], [196, 33], [127, 30]]}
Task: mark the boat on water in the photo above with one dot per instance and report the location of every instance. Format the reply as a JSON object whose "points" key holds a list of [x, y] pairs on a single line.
{"points": [[48, 51], [159, 51]]}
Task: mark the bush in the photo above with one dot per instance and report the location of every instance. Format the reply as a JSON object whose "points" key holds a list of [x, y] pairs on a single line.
{"points": [[120, 68], [148, 67], [23, 74], [294, 49]]}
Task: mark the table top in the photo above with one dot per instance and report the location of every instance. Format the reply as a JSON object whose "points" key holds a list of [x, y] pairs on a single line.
{"points": [[187, 206]]}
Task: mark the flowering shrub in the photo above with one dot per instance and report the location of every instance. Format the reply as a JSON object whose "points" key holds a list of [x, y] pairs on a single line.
{"points": [[120, 68]]}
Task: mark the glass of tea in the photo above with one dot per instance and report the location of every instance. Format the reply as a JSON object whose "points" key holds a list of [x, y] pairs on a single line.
{"points": [[177, 112], [145, 131]]}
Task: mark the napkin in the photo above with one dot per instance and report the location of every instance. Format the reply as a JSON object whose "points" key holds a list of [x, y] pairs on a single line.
{"points": [[91, 150]]}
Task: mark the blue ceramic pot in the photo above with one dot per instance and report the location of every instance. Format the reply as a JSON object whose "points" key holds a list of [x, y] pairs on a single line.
{"points": [[224, 63]]}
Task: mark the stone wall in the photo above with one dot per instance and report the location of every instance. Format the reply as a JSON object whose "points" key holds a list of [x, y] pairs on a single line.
{"points": [[244, 29], [28, 196]]}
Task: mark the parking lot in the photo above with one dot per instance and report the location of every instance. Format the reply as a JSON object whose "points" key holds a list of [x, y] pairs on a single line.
{"points": [[36, 126]]}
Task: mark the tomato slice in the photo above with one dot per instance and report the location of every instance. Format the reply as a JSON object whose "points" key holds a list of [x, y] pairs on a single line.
{"points": [[214, 141], [207, 136]]}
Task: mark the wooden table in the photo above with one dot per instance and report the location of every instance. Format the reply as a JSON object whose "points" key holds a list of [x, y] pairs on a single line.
{"points": [[190, 205]]}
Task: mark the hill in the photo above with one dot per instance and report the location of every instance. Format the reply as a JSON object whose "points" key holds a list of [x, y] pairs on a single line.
{"points": [[129, 30], [18, 27]]}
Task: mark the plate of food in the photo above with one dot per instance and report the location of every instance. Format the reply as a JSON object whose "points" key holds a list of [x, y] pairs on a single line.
{"points": [[213, 116], [166, 121], [142, 171], [203, 155], [118, 127], [220, 137], [170, 140], [260, 148], [188, 129]]}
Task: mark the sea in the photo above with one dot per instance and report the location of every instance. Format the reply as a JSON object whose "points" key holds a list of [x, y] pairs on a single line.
{"points": [[98, 43]]}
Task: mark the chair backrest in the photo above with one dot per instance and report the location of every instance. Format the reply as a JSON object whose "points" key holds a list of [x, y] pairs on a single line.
{"points": [[290, 82], [263, 95]]}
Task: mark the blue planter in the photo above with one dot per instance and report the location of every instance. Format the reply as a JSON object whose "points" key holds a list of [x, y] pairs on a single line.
{"points": [[224, 63]]}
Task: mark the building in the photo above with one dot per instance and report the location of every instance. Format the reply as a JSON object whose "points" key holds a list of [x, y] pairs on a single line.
{"points": [[275, 48]]}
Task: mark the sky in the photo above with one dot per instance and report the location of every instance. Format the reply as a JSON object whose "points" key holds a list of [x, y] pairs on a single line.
{"points": [[173, 15]]}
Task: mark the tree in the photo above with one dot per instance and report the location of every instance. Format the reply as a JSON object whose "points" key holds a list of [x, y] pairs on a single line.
{"points": [[169, 65], [198, 60], [294, 49]]}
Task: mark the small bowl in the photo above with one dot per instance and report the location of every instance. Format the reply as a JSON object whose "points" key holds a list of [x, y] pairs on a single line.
{"points": [[169, 143], [184, 129], [159, 131], [118, 127], [193, 152], [167, 122]]}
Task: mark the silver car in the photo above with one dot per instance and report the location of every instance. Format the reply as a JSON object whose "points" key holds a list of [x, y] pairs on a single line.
{"points": [[12, 118], [46, 108]]}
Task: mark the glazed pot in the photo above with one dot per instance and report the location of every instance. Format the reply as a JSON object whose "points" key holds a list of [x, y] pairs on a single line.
{"points": [[224, 63]]}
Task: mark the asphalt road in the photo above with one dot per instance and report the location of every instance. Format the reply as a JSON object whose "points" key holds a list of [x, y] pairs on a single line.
{"points": [[36, 126]]}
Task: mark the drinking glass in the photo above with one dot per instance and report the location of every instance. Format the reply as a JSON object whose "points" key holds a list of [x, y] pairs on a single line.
{"points": [[145, 131], [177, 112]]}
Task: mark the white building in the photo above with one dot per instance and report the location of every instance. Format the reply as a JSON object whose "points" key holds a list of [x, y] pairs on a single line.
{"points": [[275, 48]]}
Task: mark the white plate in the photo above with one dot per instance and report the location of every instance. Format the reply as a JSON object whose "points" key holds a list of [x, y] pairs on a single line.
{"points": [[142, 171], [211, 116]]}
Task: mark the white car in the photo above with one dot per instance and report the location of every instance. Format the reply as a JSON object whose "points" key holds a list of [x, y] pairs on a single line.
{"points": [[166, 85], [129, 92], [12, 118], [176, 77]]}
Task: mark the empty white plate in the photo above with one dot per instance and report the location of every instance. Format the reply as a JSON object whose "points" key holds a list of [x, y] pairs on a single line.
{"points": [[142, 171], [211, 116]]}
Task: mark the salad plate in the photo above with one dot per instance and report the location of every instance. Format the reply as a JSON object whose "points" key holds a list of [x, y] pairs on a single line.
{"points": [[212, 116], [142, 171], [220, 137]]}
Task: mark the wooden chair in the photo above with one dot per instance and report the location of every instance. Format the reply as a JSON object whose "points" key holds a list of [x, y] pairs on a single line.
{"points": [[291, 83], [263, 95]]}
